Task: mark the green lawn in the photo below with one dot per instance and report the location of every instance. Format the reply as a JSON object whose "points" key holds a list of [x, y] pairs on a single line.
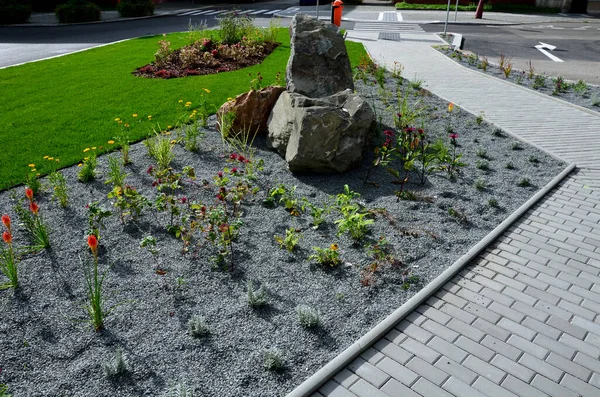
{"points": [[516, 8], [59, 107]]}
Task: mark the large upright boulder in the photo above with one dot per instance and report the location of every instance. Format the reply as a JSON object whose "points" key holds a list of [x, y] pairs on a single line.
{"points": [[318, 65], [321, 135]]}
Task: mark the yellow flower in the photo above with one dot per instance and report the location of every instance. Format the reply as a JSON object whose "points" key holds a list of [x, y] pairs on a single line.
{"points": [[135, 115], [450, 107], [173, 141], [117, 119], [187, 105], [126, 125], [93, 147], [57, 160], [33, 170], [333, 247], [101, 147], [111, 142], [181, 100], [45, 157], [79, 165], [120, 122], [150, 117], [50, 158], [207, 90], [169, 127], [194, 111], [85, 158], [32, 165], [167, 132], [87, 149], [38, 174], [230, 99]]}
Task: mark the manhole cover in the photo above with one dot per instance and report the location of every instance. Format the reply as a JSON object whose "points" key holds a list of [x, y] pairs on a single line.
{"points": [[389, 36]]}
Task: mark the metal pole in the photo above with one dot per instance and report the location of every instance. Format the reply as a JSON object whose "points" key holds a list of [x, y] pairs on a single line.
{"points": [[317, 9], [447, 15], [456, 11]]}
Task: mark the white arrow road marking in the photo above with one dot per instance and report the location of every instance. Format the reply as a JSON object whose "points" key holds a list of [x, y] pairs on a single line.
{"points": [[542, 47]]}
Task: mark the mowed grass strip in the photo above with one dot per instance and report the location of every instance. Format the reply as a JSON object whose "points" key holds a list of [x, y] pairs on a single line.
{"points": [[59, 107]]}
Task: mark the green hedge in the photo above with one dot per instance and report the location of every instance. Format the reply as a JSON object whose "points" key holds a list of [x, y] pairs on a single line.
{"points": [[77, 11], [12, 11], [135, 8]]}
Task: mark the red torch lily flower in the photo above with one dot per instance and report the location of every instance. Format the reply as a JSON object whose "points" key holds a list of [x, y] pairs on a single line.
{"points": [[92, 242], [7, 237], [34, 207], [6, 221], [29, 194]]}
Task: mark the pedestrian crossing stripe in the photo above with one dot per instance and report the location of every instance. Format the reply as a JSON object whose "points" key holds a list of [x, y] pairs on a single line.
{"points": [[192, 13]]}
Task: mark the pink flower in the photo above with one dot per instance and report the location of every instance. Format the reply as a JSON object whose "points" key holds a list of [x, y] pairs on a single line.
{"points": [[220, 174], [149, 170], [183, 200], [453, 136], [234, 170], [233, 156], [214, 53], [389, 133]]}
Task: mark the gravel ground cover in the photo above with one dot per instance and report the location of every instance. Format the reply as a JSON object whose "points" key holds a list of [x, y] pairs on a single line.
{"points": [[47, 349], [576, 92]]}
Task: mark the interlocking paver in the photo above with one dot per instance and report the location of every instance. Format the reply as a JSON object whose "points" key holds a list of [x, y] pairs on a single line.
{"points": [[523, 318]]}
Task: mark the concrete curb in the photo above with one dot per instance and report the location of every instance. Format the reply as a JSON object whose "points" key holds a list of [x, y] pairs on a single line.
{"points": [[311, 384]]}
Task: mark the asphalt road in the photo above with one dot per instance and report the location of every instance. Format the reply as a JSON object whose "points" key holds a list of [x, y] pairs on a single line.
{"points": [[577, 45]]}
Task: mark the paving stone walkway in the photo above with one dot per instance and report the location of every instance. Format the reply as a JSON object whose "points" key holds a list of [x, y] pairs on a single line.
{"points": [[523, 319]]}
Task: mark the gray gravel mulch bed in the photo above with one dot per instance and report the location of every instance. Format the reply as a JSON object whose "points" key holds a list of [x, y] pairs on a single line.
{"points": [[46, 349], [575, 92]]}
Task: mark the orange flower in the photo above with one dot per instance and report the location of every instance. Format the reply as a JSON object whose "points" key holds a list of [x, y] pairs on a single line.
{"points": [[7, 237], [29, 193], [92, 242], [333, 247], [34, 207], [450, 107], [6, 221]]}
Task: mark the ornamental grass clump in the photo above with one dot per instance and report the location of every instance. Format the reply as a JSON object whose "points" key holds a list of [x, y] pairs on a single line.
{"points": [[87, 170], [8, 258], [197, 327], [256, 298], [308, 317], [117, 366], [273, 360]]}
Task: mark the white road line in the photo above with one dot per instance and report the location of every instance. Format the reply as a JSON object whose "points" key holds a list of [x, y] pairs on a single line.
{"points": [[542, 47], [201, 12], [380, 17], [215, 12], [399, 16], [271, 12], [188, 13], [257, 12]]}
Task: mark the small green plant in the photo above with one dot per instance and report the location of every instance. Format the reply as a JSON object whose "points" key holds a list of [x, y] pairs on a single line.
{"points": [[191, 135], [459, 216], [482, 165], [534, 160], [180, 389], [516, 145], [503, 61], [122, 139], [60, 192], [473, 59], [497, 131], [32, 181], [256, 298], [96, 217], [327, 256], [408, 195], [317, 213], [117, 366], [581, 88], [397, 71], [273, 360], [479, 118], [409, 279], [520, 78], [379, 73], [290, 241], [308, 317], [416, 84], [8, 259], [87, 171], [355, 223], [524, 182], [116, 174], [481, 153], [531, 71], [560, 85], [161, 149], [507, 69], [595, 99], [234, 25], [492, 203], [509, 166], [483, 64], [539, 81], [4, 391], [197, 326], [480, 185]]}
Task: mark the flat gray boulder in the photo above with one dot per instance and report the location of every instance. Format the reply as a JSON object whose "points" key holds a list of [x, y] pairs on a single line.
{"points": [[322, 135], [318, 65]]}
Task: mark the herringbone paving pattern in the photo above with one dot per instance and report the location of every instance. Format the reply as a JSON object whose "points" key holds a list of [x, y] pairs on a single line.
{"points": [[523, 319]]}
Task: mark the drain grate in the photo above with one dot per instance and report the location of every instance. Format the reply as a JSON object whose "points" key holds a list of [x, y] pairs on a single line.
{"points": [[390, 16], [420, 40], [389, 36]]}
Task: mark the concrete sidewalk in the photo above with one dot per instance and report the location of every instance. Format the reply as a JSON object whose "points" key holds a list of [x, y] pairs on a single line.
{"points": [[522, 319]]}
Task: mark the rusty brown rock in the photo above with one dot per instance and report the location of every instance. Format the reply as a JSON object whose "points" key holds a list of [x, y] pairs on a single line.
{"points": [[252, 110]]}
